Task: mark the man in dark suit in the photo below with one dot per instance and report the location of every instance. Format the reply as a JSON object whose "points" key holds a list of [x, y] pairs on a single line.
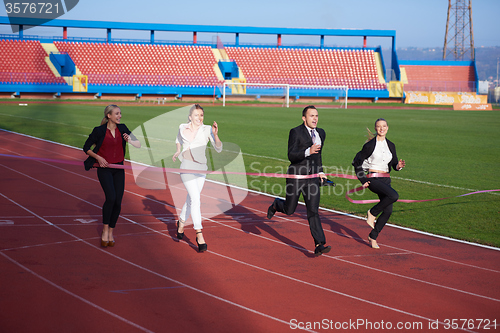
{"points": [[305, 143]]}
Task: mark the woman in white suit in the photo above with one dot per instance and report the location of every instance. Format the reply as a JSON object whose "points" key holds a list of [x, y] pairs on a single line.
{"points": [[191, 141]]}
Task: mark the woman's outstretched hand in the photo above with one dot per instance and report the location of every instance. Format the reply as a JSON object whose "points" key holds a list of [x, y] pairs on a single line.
{"points": [[401, 164], [215, 128]]}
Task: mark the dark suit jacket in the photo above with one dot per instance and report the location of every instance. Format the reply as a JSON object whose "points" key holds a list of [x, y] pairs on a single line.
{"points": [[366, 152], [299, 140], [97, 137]]}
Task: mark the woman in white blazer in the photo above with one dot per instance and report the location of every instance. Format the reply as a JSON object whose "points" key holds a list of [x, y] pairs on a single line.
{"points": [[191, 141]]}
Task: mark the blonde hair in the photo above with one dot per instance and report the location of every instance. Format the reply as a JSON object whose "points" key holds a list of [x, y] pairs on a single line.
{"points": [[108, 110], [370, 134], [194, 107]]}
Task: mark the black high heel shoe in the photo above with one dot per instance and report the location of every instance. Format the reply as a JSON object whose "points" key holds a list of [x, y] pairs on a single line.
{"points": [[180, 235], [201, 247]]}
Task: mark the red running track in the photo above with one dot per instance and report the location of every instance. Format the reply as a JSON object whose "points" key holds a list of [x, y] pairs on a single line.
{"points": [[258, 275]]}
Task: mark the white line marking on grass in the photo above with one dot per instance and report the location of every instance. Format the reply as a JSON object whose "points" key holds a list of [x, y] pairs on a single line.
{"points": [[37, 119], [269, 195], [441, 185], [268, 157]]}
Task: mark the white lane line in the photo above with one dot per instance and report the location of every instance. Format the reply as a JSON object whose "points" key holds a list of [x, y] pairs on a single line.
{"points": [[58, 286], [268, 157], [369, 267], [290, 220], [76, 296], [127, 261], [284, 218], [242, 262]]}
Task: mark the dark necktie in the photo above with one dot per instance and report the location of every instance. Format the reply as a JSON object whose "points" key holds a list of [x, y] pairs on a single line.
{"points": [[313, 136]]}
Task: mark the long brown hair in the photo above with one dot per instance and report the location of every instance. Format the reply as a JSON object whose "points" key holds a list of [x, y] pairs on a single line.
{"points": [[108, 110]]}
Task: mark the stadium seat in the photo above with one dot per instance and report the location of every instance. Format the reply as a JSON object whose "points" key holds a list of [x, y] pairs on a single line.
{"points": [[142, 60], [25, 60], [440, 78], [309, 66]]}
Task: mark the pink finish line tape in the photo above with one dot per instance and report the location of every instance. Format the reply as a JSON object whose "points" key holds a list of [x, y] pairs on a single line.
{"points": [[407, 200], [272, 175]]}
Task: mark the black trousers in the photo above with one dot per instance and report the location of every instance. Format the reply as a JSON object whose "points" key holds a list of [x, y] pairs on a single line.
{"points": [[387, 195], [113, 184], [311, 193]]}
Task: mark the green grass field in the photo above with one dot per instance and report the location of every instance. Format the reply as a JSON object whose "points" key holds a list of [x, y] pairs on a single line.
{"points": [[447, 153]]}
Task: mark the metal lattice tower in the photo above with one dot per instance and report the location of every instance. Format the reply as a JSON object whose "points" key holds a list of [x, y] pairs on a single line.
{"points": [[459, 37]]}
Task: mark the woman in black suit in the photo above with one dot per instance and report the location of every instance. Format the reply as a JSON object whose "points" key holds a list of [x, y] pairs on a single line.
{"points": [[110, 142], [378, 156]]}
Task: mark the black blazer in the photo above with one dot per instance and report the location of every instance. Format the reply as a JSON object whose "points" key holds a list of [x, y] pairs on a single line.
{"points": [[97, 137], [299, 140], [366, 152]]}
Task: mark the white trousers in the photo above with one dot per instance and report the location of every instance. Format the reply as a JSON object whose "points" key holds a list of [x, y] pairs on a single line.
{"points": [[194, 185]]}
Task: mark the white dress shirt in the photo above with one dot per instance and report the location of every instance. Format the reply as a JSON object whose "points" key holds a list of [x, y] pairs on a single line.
{"points": [[380, 157], [198, 144], [317, 140]]}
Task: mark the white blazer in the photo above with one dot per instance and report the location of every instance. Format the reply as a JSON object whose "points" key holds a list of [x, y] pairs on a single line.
{"points": [[199, 144]]}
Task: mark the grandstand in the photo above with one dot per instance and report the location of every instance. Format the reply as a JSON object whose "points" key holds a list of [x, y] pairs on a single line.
{"points": [[436, 76], [170, 69], [143, 64], [24, 62], [356, 69]]}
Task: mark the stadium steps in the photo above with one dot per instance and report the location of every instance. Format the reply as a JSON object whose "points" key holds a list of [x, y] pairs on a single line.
{"points": [[380, 71], [51, 48], [404, 77], [223, 56], [395, 89], [218, 57]]}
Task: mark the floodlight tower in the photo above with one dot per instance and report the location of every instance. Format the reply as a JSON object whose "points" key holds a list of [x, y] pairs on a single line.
{"points": [[459, 37]]}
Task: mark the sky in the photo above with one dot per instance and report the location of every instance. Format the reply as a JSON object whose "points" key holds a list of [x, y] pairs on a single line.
{"points": [[419, 23]]}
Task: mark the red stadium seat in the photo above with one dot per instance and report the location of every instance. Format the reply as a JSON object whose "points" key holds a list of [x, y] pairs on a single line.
{"points": [[300, 66], [25, 60]]}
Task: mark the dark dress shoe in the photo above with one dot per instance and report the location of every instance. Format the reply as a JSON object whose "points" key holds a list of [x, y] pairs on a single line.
{"points": [[271, 211], [180, 235], [320, 249], [201, 247], [104, 243], [111, 243]]}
